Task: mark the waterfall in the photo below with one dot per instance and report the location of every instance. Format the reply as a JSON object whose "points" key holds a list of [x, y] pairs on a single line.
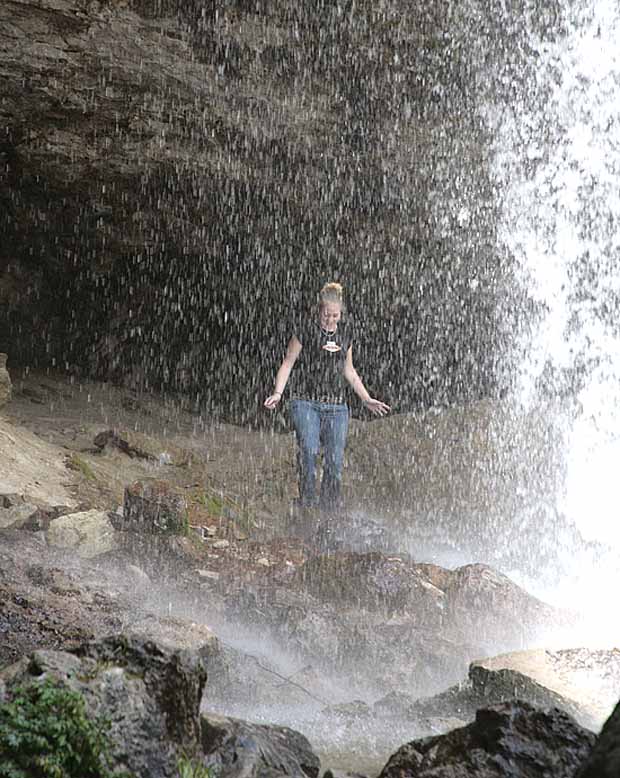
{"points": [[557, 162]]}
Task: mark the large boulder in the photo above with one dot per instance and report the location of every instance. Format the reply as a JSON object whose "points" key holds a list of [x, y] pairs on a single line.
{"points": [[88, 533], [150, 695], [510, 740], [473, 604], [484, 604], [407, 621]]}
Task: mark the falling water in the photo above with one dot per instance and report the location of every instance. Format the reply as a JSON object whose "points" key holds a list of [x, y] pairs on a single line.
{"points": [[558, 162]]}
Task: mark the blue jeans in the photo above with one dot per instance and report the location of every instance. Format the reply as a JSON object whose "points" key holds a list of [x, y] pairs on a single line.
{"points": [[319, 424]]}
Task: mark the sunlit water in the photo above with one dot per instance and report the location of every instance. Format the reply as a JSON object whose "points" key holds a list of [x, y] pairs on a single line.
{"points": [[558, 161]]}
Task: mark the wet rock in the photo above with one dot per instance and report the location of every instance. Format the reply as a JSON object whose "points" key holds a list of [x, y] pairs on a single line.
{"points": [[510, 740], [356, 531], [604, 761], [17, 514], [481, 601], [541, 678], [150, 695], [5, 381], [376, 582], [583, 682], [473, 605], [153, 506], [237, 749], [89, 533]]}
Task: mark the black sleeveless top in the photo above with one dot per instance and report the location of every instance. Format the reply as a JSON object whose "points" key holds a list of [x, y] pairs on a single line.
{"points": [[317, 374]]}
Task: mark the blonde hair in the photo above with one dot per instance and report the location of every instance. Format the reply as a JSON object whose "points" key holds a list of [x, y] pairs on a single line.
{"points": [[331, 293]]}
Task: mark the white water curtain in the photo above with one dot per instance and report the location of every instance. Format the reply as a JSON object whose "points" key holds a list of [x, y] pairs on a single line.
{"points": [[558, 166]]}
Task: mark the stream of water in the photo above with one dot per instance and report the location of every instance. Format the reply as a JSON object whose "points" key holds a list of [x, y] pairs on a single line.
{"points": [[558, 164]]}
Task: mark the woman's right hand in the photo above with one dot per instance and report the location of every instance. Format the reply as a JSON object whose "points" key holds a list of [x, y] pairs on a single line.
{"points": [[272, 401]]}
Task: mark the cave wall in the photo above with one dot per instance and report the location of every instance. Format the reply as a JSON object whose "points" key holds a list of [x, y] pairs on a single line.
{"points": [[178, 178]]}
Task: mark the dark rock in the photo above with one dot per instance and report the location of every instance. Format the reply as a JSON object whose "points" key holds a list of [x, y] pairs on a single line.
{"points": [[42, 518], [11, 500], [604, 761], [112, 438], [510, 740], [495, 686], [341, 774], [486, 687], [152, 506], [238, 748], [5, 381]]}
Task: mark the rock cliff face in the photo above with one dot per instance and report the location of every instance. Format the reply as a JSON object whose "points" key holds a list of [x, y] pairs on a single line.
{"points": [[177, 178]]}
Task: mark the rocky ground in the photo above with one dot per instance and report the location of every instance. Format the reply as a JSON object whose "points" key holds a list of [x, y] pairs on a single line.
{"points": [[326, 628]]}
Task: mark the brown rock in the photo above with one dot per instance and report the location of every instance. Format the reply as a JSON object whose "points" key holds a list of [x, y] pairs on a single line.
{"points": [[153, 507]]}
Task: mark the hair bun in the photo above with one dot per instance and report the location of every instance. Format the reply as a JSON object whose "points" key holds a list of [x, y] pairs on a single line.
{"points": [[331, 292]]}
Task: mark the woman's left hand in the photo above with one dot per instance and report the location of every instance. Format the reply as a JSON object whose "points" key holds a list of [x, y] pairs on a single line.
{"points": [[377, 407]]}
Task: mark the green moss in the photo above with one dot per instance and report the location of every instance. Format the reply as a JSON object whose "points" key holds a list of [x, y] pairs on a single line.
{"points": [[45, 732]]}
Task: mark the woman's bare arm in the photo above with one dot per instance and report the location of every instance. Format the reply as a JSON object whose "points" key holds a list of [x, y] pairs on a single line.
{"points": [[293, 350], [352, 376]]}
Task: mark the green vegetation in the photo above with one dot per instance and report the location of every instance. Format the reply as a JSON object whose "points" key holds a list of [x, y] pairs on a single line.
{"points": [[189, 768], [75, 462], [45, 732]]}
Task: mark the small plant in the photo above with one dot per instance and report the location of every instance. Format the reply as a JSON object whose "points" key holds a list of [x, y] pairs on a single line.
{"points": [[75, 462], [189, 768], [45, 732]]}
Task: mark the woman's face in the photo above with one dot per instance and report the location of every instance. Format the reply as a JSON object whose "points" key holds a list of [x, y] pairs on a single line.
{"points": [[329, 316]]}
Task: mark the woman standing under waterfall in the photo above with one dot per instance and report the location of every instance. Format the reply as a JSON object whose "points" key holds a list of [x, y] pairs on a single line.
{"points": [[321, 349]]}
